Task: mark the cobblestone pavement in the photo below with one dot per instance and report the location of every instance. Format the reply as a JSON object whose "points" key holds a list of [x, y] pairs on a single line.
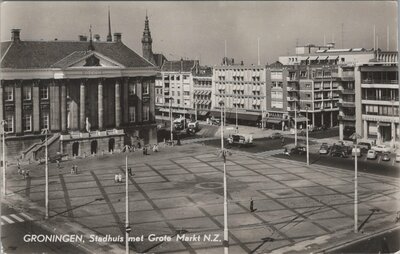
{"points": [[180, 188]]}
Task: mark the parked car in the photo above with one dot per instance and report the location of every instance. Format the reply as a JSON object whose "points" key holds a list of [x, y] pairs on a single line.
{"points": [[298, 150], [381, 148], [324, 149], [385, 157], [194, 125], [398, 157], [240, 139], [57, 157], [215, 121], [354, 152], [339, 151], [276, 135], [371, 154], [364, 146]]}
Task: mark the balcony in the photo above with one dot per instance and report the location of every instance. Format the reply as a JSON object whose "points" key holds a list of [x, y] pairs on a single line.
{"points": [[380, 81], [382, 98], [347, 91], [347, 104], [348, 118]]}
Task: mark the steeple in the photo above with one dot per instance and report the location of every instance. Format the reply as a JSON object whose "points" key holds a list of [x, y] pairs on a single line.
{"points": [[109, 36], [91, 47], [147, 42]]}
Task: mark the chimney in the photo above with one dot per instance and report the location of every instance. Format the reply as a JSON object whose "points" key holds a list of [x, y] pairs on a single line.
{"points": [[82, 38], [15, 35], [96, 37], [117, 37]]}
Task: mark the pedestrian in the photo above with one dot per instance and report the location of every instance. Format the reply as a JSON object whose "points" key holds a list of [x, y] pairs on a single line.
{"points": [[283, 141], [58, 164], [23, 173], [144, 150], [73, 169], [252, 205], [27, 173], [76, 169], [119, 178], [19, 168], [116, 178], [130, 171]]}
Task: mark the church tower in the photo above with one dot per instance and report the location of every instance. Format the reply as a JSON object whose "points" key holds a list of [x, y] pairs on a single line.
{"points": [[147, 42]]}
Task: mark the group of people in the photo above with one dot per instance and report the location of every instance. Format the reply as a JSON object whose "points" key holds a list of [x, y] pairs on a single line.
{"points": [[154, 148], [23, 172]]}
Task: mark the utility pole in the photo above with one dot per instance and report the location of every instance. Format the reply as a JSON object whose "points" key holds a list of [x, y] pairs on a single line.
{"points": [[127, 227], [3, 123], [355, 137], [195, 111], [170, 117], [46, 176], [308, 150], [226, 239], [295, 123], [237, 127]]}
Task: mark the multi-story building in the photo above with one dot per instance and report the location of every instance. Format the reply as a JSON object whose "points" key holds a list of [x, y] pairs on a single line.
{"points": [[313, 80], [377, 93], [176, 84], [90, 96], [202, 90], [242, 88]]}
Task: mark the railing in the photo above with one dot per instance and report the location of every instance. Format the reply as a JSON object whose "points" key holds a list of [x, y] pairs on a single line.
{"points": [[382, 98], [380, 81], [348, 91]]}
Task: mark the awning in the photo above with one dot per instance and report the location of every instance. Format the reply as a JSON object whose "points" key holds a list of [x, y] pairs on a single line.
{"points": [[274, 120], [300, 119], [203, 113], [384, 124], [164, 110], [333, 57], [232, 115]]}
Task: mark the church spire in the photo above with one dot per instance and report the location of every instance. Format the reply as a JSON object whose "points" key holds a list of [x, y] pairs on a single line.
{"points": [[109, 36], [91, 47], [147, 42]]}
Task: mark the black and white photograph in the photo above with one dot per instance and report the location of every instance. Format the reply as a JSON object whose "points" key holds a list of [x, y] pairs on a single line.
{"points": [[199, 127]]}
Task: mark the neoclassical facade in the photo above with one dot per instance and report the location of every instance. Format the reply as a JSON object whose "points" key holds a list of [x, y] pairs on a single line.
{"points": [[90, 96]]}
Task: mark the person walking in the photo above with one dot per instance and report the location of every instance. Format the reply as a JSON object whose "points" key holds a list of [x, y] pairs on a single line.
{"points": [[26, 173], [58, 164], [119, 178], [252, 205], [130, 171], [19, 168], [116, 178], [76, 169], [283, 142], [73, 169]]}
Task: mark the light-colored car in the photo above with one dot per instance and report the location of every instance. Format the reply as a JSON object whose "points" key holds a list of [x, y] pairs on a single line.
{"points": [[371, 155], [397, 157], [324, 149], [240, 139], [385, 157], [353, 152], [381, 149]]}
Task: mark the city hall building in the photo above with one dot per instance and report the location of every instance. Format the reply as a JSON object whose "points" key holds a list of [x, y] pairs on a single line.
{"points": [[92, 96]]}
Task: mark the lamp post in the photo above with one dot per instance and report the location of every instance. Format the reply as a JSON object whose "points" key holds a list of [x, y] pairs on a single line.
{"points": [[3, 189], [3, 123], [226, 239], [46, 176], [308, 150], [295, 123], [355, 137], [237, 127], [170, 117], [127, 227]]}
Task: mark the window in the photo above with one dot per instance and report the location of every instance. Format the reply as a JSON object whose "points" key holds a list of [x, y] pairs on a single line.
{"points": [[27, 93], [276, 75], [178, 93], [178, 77], [132, 114], [277, 104], [178, 101], [9, 126], [186, 93], [173, 93], [146, 112], [276, 95], [146, 88], [44, 120], [132, 89], [277, 84], [44, 92], [9, 93], [27, 121]]}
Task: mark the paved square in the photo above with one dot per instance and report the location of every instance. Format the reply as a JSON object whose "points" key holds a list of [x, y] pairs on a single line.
{"points": [[181, 189]]}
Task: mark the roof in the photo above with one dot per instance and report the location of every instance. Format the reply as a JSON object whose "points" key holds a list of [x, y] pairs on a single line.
{"points": [[179, 66], [159, 59], [48, 54]]}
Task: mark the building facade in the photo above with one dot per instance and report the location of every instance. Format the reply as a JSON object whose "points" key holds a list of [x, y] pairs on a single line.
{"points": [[202, 92], [242, 88], [90, 96]]}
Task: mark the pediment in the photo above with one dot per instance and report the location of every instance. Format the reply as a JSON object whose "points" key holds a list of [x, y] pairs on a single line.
{"points": [[82, 59]]}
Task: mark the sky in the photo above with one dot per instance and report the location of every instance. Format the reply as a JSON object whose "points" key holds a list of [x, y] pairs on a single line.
{"points": [[199, 29]]}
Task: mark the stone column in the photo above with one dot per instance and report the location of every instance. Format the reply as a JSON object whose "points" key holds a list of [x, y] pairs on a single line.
{"points": [[54, 106], [36, 106], [313, 118], [117, 104], [341, 130], [378, 134], [63, 100], [139, 105], [125, 108], [82, 109], [100, 104], [365, 133], [331, 119], [18, 107], [393, 132], [322, 118]]}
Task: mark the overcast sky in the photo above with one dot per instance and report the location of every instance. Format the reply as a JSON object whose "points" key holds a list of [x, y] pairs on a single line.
{"points": [[197, 30]]}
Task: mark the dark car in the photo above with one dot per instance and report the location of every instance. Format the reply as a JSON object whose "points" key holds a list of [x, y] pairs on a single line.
{"points": [[56, 157], [339, 151], [276, 135], [298, 150], [215, 121], [364, 146], [385, 157]]}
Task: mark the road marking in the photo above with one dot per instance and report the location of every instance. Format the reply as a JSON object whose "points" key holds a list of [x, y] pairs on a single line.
{"points": [[16, 217], [26, 216], [7, 219]]}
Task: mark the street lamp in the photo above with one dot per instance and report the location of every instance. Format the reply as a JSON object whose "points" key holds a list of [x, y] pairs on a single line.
{"points": [[295, 122], [170, 116], [223, 153], [127, 227], [3, 123], [45, 131], [237, 127], [308, 152], [355, 137]]}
